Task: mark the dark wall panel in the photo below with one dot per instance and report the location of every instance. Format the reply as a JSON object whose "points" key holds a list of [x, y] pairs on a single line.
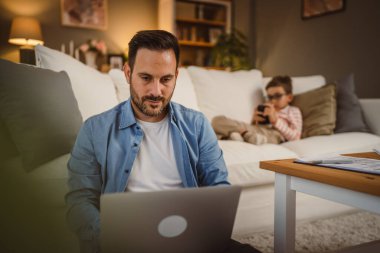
{"points": [[333, 45]]}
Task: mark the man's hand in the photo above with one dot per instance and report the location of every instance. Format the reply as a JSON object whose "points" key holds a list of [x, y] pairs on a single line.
{"points": [[271, 112]]}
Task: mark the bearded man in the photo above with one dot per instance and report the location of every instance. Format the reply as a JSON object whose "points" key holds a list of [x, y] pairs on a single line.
{"points": [[146, 143]]}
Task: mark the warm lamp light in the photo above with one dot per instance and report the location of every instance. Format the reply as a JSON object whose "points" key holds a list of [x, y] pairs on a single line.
{"points": [[25, 31]]}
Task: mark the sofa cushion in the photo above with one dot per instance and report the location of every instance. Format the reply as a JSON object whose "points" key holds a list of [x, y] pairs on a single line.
{"points": [[184, 92], [318, 109], [121, 84], [300, 84], [48, 182], [39, 110], [233, 94], [94, 91], [337, 143], [349, 116], [242, 160]]}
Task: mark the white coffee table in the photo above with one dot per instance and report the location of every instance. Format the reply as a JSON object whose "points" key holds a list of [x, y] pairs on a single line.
{"points": [[347, 187]]}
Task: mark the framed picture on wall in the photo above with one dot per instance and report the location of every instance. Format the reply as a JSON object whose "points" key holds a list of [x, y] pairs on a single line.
{"points": [[317, 8], [84, 13]]}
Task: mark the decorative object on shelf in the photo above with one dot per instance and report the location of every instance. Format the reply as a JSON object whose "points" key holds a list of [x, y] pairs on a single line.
{"points": [[116, 61], [197, 25], [231, 51], [316, 8], [90, 59], [214, 34], [91, 50], [26, 32], [84, 13]]}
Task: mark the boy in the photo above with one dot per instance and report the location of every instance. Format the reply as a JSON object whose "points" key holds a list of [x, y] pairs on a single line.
{"points": [[284, 120]]}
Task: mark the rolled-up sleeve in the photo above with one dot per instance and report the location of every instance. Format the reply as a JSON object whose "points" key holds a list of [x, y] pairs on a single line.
{"points": [[84, 189]]}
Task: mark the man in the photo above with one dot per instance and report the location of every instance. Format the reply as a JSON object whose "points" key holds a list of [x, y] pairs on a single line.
{"points": [[144, 144]]}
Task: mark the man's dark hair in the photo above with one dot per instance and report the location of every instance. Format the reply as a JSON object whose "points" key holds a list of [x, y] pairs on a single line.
{"points": [[153, 40], [281, 81]]}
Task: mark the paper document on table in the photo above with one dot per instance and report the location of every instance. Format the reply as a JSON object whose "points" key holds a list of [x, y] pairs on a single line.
{"points": [[364, 165]]}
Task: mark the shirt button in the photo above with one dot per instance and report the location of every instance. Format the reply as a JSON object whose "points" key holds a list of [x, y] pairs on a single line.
{"points": [[135, 144], [126, 171]]}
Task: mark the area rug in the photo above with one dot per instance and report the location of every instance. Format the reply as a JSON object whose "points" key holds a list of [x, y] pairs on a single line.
{"points": [[324, 235]]}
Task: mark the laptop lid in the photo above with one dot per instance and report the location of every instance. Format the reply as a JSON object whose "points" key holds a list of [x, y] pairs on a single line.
{"points": [[185, 220]]}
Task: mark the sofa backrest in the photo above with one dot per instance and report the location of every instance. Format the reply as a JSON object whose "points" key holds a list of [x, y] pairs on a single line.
{"points": [[233, 94], [94, 91], [213, 92]]}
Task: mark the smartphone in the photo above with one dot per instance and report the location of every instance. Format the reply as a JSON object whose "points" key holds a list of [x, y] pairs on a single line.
{"points": [[261, 108]]}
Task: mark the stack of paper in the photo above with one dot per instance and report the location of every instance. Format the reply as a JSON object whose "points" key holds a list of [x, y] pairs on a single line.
{"points": [[364, 165]]}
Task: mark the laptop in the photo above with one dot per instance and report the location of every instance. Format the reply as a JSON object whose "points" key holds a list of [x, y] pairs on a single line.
{"points": [[186, 220]]}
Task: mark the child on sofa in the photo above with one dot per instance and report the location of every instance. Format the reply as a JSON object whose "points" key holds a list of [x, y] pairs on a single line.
{"points": [[277, 122]]}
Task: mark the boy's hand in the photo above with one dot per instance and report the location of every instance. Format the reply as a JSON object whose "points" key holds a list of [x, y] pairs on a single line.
{"points": [[257, 117], [271, 112]]}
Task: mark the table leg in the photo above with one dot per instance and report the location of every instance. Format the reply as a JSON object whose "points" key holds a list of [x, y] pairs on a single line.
{"points": [[284, 222]]}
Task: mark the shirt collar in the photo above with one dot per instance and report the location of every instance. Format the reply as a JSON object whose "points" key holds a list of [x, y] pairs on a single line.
{"points": [[128, 117], [285, 109]]}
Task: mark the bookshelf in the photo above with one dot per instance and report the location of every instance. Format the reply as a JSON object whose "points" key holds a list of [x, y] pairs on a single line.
{"points": [[197, 25]]}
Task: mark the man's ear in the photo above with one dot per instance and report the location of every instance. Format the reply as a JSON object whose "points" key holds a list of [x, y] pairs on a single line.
{"points": [[127, 72]]}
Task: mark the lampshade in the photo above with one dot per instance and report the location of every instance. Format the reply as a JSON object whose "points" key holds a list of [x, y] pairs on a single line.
{"points": [[25, 31]]}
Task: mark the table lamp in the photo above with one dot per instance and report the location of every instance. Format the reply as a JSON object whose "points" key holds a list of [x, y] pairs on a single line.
{"points": [[26, 32]]}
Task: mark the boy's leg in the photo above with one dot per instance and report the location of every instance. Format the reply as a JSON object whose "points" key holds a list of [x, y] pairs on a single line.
{"points": [[261, 134], [237, 247], [224, 126]]}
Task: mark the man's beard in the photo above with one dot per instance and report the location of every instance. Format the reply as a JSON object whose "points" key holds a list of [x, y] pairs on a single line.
{"points": [[147, 110]]}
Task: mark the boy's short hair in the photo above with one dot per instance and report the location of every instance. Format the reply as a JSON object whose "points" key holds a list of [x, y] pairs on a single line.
{"points": [[281, 81]]}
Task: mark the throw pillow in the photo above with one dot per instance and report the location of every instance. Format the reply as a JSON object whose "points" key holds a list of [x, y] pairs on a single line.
{"points": [[7, 147], [94, 91], [233, 94], [39, 110], [318, 109], [349, 112]]}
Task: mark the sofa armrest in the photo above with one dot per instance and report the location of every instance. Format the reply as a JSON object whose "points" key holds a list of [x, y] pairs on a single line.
{"points": [[371, 113]]}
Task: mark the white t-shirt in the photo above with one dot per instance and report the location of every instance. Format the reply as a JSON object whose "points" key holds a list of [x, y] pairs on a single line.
{"points": [[155, 166]]}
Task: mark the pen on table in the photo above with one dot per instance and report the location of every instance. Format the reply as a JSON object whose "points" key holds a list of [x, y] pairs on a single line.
{"points": [[335, 161], [377, 151]]}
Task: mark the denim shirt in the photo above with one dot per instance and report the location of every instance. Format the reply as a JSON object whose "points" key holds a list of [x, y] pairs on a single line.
{"points": [[106, 147]]}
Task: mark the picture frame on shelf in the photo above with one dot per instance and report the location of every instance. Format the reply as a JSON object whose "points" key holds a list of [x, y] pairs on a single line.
{"points": [[317, 8], [84, 14], [116, 61]]}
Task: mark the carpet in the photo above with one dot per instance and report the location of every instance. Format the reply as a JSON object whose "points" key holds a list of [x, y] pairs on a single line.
{"points": [[324, 235]]}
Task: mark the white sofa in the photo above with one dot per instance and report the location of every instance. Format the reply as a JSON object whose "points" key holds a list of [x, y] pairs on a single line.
{"points": [[212, 92]]}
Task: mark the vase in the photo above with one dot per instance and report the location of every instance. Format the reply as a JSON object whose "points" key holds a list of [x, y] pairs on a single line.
{"points": [[90, 59]]}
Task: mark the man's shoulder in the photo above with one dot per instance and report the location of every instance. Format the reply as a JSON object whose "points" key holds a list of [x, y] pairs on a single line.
{"points": [[185, 112], [106, 118]]}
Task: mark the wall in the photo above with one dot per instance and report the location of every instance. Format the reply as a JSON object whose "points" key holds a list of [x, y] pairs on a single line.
{"points": [[124, 19], [332, 45], [245, 23]]}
